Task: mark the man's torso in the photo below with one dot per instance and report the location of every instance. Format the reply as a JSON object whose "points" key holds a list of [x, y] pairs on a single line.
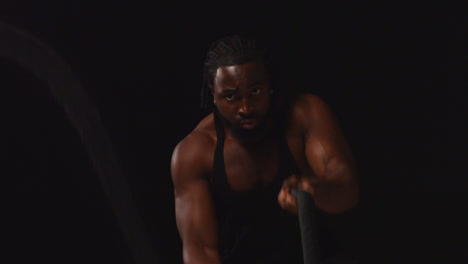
{"points": [[249, 167]]}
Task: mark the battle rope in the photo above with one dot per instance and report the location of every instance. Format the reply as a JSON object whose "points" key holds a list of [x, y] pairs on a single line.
{"points": [[66, 88]]}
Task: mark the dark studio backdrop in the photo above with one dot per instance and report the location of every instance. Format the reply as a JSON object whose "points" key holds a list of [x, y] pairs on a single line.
{"points": [[391, 73]]}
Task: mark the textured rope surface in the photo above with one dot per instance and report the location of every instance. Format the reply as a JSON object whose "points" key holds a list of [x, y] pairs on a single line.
{"points": [[307, 223]]}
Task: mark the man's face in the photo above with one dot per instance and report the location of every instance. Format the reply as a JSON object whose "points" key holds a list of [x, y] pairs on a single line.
{"points": [[243, 97]]}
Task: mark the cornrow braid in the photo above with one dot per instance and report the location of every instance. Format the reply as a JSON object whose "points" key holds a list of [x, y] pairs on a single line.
{"points": [[230, 50]]}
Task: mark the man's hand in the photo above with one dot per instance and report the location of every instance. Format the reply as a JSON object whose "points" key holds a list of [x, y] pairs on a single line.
{"points": [[285, 199]]}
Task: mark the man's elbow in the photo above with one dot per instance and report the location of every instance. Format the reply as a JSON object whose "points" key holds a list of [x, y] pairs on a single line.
{"points": [[345, 200], [351, 198], [200, 255]]}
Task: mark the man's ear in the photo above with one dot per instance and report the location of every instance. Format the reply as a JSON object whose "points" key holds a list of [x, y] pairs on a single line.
{"points": [[211, 89]]}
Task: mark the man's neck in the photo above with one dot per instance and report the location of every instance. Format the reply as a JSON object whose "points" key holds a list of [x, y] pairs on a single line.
{"points": [[260, 139]]}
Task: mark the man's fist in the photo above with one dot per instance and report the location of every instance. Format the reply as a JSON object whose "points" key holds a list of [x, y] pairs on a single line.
{"points": [[285, 199]]}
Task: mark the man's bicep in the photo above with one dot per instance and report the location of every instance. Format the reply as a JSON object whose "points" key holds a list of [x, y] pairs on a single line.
{"points": [[195, 215], [325, 144]]}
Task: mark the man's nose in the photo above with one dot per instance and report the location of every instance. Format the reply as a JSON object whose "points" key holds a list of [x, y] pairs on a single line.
{"points": [[245, 108]]}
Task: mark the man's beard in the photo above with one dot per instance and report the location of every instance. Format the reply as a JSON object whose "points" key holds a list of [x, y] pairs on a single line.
{"points": [[242, 133]]}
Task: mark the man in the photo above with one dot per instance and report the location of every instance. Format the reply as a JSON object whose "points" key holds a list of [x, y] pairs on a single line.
{"points": [[233, 173]]}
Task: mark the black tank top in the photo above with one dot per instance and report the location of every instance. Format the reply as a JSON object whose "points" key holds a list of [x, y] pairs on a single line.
{"points": [[253, 228]]}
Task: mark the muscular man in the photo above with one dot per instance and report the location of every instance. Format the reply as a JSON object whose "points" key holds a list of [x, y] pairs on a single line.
{"points": [[233, 173]]}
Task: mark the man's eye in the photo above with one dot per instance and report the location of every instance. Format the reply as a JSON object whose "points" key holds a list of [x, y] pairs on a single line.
{"points": [[256, 91], [229, 97]]}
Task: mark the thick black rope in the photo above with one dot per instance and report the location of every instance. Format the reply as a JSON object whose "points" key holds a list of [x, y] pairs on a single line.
{"points": [[307, 223], [65, 87]]}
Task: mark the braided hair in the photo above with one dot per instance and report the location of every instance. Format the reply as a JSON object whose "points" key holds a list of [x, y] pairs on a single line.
{"points": [[230, 50]]}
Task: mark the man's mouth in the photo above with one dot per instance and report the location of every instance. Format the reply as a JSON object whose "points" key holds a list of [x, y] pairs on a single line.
{"points": [[248, 123]]}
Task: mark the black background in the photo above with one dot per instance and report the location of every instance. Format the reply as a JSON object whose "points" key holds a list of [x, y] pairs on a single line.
{"points": [[390, 71]]}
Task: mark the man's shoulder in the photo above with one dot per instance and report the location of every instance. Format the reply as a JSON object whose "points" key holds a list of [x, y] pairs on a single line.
{"points": [[196, 142], [311, 112], [195, 151], [304, 106], [308, 102], [200, 139]]}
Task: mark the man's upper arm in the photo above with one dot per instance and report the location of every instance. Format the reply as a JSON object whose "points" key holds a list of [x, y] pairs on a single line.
{"points": [[195, 214], [326, 148]]}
